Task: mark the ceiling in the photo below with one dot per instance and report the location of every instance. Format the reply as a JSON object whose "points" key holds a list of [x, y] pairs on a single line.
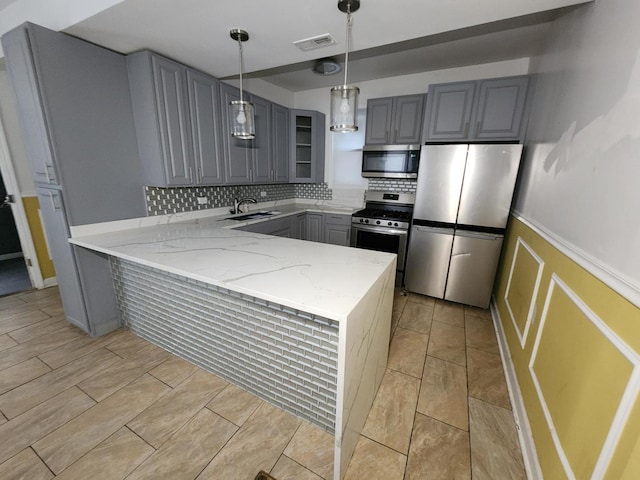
{"points": [[389, 37]]}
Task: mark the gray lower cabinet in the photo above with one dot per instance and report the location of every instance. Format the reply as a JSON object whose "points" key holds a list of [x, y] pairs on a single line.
{"points": [[337, 229], [481, 110], [299, 226], [280, 227], [314, 228], [83, 276], [176, 111], [394, 120], [307, 146], [57, 234]]}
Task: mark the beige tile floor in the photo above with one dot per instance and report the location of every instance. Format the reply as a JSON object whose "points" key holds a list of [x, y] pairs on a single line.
{"points": [[115, 407]]}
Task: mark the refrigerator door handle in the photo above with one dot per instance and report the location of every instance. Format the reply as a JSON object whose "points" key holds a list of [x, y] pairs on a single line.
{"points": [[461, 255], [447, 231], [478, 235]]}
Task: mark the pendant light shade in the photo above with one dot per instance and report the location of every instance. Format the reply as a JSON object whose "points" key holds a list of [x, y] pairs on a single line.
{"points": [[344, 98], [344, 109], [241, 112], [242, 119]]}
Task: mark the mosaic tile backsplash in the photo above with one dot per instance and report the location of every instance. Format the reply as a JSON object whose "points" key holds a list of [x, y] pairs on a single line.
{"points": [[392, 185], [162, 201]]}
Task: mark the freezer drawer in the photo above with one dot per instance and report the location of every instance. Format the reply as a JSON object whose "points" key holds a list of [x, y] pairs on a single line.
{"points": [[474, 260], [428, 260]]}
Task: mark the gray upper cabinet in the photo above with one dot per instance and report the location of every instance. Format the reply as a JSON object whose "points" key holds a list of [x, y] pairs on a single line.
{"points": [[486, 110], [260, 153], [236, 153], [176, 110], [206, 128], [77, 122], [307, 146], [280, 143], [394, 120], [500, 109], [160, 106], [449, 109], [253, 161], [32, 115]]}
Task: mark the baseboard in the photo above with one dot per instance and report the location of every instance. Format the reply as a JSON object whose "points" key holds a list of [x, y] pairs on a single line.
{"points": [[50, 282], [11, 256], [529, 454]]}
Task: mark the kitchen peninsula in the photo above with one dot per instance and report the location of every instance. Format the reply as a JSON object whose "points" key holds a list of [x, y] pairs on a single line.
{"points": [[303, 325]]}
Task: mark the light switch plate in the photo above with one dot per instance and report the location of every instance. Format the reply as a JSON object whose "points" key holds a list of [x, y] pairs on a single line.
{"points": [[202, 200]]}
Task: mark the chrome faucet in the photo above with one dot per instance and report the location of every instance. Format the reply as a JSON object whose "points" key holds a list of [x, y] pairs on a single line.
{"points": [[238, 203]]}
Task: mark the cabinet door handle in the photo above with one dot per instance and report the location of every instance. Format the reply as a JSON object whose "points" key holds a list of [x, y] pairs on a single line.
{"points": [[53, 202], [46, 172], [466, 129], [191, 175]]}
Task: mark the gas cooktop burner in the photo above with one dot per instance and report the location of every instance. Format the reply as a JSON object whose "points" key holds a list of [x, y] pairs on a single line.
{"points": [[386, 214]]}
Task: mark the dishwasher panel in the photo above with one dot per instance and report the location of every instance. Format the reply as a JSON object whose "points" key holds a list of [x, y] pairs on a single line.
{"points": [[474, 260], [428, 260]]}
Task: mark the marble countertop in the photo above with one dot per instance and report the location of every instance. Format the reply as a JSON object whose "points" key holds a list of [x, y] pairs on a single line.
{"points": [[322, 279]]}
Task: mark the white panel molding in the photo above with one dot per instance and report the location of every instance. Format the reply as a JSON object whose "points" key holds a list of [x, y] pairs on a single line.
{"points": [[627, 287], [529, 453], [50, 282], [628, 398], [522, 336]]}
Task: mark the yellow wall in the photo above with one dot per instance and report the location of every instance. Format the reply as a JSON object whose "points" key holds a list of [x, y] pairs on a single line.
{"points": [[574, 343], [31, 208]]}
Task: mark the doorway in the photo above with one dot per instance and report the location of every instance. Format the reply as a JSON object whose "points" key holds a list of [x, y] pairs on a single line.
{"points": [[14, 275]]}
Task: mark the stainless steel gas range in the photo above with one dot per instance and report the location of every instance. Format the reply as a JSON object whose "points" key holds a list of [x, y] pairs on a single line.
{"points": [[383, 225]]}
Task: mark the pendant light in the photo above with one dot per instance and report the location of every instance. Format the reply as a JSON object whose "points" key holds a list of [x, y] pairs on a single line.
{"points": [[241, 112], [344, 98]]}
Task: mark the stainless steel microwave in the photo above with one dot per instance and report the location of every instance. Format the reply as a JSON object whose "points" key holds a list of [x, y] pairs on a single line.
{"points": [[390, 161]]}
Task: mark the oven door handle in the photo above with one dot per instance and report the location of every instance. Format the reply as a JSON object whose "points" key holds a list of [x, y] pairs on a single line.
{"points": [[385, 230]]}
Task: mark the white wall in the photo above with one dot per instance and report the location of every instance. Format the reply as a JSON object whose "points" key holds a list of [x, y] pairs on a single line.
{"points": [[13, 133], [343, 151], [581, 174]]}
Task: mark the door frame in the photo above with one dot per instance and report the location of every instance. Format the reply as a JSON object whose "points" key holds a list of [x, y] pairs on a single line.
{"points": [[19, 213]]}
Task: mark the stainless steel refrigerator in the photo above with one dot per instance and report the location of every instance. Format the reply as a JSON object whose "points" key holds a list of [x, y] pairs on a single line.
{"points": [[463, 199]]}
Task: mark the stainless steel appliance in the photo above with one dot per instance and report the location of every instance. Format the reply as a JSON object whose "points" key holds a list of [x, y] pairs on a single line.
{"points": [[463, 198], [390, 161], [383, 225]]}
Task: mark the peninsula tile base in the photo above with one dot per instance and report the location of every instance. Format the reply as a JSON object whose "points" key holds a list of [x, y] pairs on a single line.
{"points": [[285, 357]]}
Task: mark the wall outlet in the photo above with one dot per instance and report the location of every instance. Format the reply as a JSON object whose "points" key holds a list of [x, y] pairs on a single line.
{"points": [[263, 194], [202, 200]]}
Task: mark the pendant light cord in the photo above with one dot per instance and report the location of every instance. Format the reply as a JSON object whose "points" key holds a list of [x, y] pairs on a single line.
{"points": [[240, 46], [346, 55]]}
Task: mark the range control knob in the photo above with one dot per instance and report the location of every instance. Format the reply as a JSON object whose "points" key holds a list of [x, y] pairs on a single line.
{"points": [[391, 223], [362, 220], [366, 221], [377, 222]]}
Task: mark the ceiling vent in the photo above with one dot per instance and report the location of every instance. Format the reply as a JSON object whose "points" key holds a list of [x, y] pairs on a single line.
{"points": [[313, 43]]}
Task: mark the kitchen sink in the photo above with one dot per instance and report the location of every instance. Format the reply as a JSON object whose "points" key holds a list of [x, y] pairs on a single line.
{"points": [[250, 216]]}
